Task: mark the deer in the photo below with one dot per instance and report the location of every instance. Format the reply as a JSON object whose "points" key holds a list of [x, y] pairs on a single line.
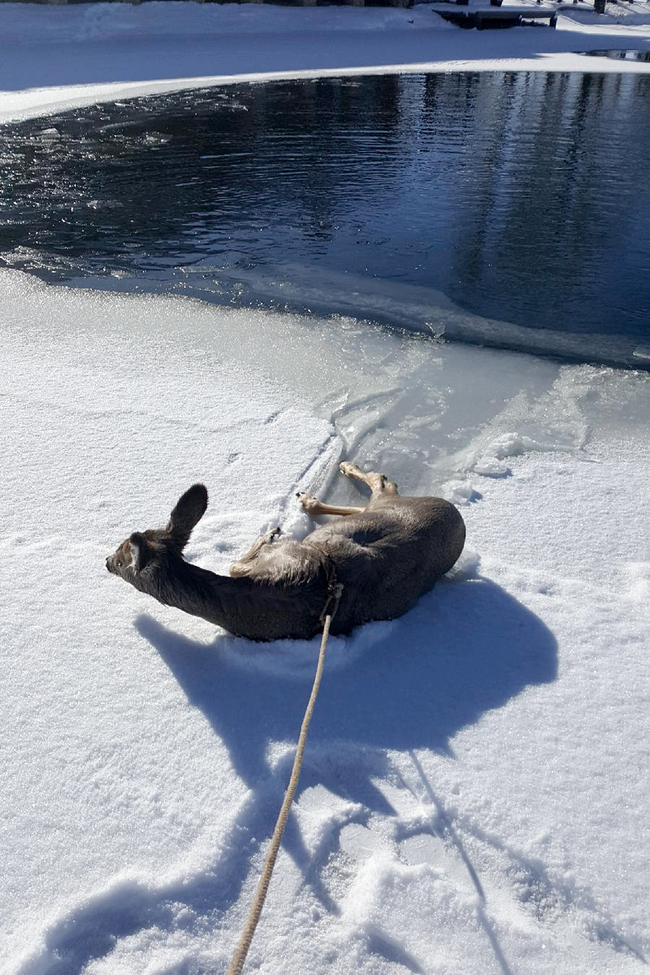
{"points": [[384, 555]]}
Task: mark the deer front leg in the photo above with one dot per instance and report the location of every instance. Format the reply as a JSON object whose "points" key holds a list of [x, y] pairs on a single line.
{"points": [[315, 507], [239, 567]]}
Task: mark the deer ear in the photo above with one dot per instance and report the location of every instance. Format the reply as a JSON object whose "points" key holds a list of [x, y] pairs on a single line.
{"points": [[189, 509], [140, 551]]}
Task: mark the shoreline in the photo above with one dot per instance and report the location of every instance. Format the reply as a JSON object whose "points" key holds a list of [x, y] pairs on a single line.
{"points": [[89, 53]]}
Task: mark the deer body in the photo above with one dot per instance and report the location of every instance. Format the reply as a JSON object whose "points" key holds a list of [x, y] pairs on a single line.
{"points": [[385, 555]]}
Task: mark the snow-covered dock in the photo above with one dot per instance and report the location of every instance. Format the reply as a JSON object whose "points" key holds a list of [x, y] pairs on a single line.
{"points": [[495, 14]]}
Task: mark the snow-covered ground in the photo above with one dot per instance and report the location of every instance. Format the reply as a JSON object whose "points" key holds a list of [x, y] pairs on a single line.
{"points": [[475, 792], [120, 50]]}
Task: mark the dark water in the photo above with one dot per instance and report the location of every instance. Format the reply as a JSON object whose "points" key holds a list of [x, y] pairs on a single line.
{"points": [[510, 209]]}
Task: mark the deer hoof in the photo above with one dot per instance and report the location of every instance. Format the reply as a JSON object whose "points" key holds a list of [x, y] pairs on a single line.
{"points": [[307, 501]]}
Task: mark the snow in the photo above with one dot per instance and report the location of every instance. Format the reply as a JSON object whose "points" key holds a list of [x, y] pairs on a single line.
{"points": [[474, 795], [53, 57], [475, 791]]}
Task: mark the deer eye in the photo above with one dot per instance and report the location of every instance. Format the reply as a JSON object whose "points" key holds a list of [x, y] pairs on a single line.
{"points": [[118, 563]]}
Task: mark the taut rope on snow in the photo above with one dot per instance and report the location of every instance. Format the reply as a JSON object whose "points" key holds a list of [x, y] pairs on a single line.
{"points": [[237, 963]]}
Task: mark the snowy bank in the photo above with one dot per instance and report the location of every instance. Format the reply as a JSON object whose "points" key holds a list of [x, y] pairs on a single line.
{"points": [[475, 792], [75, 55]]}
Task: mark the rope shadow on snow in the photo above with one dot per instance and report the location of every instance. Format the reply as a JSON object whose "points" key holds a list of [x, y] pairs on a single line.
{"points": [[464, 650]]}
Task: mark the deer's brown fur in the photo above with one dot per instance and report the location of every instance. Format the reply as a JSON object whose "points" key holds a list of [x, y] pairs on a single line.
{"points": [[386, 555]]}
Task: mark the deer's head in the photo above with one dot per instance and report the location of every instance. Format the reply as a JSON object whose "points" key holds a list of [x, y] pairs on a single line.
{"points": [[142, 551]]}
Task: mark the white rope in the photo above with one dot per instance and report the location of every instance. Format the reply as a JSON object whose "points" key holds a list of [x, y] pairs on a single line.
{"points": [[239, 957]]}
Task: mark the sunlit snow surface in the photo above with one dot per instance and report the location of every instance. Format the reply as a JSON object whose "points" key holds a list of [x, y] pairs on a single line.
{"points": [[475, 793]]}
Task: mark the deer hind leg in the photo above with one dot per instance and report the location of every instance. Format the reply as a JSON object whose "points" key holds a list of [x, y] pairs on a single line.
{"points": [[315, 507], [378, 483]]}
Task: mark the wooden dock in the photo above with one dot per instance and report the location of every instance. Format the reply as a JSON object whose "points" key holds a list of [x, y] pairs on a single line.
{"points": [[494, 16]]}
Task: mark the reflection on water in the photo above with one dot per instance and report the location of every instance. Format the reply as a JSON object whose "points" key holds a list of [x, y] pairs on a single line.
{"points": [[511, 209], [617, 55]]}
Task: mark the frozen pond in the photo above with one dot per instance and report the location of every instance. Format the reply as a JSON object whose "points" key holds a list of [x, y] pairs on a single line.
{"points": [[506, 209]]}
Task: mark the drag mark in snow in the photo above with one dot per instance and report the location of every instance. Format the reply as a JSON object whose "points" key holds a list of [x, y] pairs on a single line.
{"points": [[636, 577], [91, 930], [357, 848], [315, 477]]}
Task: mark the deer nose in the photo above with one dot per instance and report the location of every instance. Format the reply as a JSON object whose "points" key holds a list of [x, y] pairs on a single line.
{"points": [[108, 563]]}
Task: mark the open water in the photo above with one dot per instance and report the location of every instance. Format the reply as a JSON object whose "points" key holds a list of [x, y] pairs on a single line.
{"points": [[506, 209]]}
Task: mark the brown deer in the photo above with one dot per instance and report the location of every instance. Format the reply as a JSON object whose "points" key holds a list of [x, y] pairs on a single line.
{"points": [[385, 555]]}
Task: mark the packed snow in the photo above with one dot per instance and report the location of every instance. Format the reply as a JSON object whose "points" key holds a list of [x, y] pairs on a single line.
{"points": [[475, 791]]}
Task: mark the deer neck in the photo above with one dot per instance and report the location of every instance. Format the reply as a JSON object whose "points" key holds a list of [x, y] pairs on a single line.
{"points": [[196, 591], [241, 606]]}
